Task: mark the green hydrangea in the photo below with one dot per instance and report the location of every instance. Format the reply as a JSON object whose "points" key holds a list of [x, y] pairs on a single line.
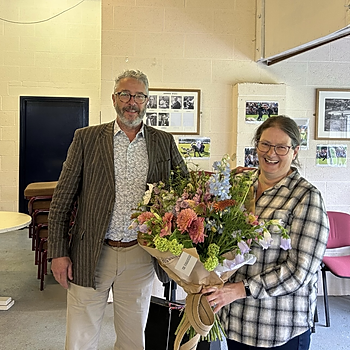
{"points": [[175, 248], [162, 244], [211, 263], [213, 249]]}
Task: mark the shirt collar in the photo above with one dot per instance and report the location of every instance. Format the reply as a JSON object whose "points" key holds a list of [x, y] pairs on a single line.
{"points": [[117, 129], [286, 181]]}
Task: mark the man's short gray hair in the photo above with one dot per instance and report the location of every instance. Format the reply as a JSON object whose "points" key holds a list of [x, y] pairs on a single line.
{"points": [[132, 73]]}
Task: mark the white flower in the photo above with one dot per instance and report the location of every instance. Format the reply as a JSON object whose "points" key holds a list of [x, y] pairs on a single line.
{"points": [[286, 243], [148, 194], [266, 242]]}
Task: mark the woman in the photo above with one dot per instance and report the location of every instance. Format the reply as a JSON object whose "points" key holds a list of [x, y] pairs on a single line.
{"points": [[271, 304]]}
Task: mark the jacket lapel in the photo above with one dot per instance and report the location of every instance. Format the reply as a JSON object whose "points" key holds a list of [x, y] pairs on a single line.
{"points": [[106, 152], [151, 142]]}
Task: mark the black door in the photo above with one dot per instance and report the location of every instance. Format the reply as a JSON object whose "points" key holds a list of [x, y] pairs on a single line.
{"points": [[47, 125]]}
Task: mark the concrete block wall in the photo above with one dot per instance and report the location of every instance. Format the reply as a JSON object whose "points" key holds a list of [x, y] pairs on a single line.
{"points": [[210, 45], [40, 56], [247, 92], [201, 44]]}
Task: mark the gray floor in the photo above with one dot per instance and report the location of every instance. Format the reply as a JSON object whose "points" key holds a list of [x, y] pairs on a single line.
{"points": [[37, 319]]}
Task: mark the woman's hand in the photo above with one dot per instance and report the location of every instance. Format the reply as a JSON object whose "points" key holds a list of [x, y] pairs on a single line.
{"points": [[219, 297]]}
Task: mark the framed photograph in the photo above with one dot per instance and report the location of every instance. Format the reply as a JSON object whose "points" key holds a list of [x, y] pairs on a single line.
{"points": [[194, 147], [332, 114], [331, 155], [250, 157], [259, 111], [174, 110], [303, 125]]}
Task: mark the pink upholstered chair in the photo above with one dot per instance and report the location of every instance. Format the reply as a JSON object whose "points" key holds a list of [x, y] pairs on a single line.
{"points": [[339, 237]]}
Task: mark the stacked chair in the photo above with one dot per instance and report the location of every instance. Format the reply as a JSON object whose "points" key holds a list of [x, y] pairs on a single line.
{"points": [[39, 196]]}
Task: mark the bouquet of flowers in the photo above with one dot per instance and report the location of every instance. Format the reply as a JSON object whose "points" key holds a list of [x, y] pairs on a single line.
{"points": [[200, 229]]}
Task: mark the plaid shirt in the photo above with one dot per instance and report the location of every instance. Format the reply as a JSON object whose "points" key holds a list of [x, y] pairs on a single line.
{"points": [[283, 283]]}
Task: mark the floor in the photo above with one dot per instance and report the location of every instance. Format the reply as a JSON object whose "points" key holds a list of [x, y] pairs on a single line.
{"points": [[37, 319]]}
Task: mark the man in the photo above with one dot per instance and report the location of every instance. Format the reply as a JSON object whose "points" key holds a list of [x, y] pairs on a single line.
{"points": [[105, 173], [152, 102], [176, 103], [260, 110]]}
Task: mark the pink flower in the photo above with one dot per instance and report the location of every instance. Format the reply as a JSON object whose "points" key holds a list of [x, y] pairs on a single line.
{"points": [[196, 231], [167, 220], [142, 218], [252, 219], [185, 219]]}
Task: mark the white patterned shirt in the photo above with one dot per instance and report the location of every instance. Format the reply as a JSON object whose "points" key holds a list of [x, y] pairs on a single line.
{"points": [[283, 283], [130, 173]]}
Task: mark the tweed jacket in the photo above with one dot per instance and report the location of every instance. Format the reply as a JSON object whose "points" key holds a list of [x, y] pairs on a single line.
{"points": [[87, 178]]}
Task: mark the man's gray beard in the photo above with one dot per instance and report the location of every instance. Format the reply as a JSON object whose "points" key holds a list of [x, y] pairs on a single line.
{"points": [[130, 123]]}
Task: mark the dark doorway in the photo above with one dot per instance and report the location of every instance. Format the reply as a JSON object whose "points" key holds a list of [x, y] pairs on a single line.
{"points": [[47, 126]]}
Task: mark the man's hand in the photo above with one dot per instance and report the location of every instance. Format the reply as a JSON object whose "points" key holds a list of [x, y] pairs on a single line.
{"points": [[62, 270], [240, 169]]}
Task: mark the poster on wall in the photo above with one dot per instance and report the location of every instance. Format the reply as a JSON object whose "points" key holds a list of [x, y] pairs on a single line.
{"points": [[250, 157], [303, 125], [194, 147], [174, 110], [259, 111], [331, 155]]}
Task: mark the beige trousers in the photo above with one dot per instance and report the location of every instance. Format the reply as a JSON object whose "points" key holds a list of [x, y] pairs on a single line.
{"points": [[130, 273]]}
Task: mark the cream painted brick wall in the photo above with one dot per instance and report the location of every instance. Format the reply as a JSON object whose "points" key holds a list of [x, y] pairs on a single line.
{"points": [[181, 44], [243, 93], [210, 46], [200, 44], [59, 57]]}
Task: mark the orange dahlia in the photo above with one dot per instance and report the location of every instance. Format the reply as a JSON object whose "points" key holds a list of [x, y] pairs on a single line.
{"points": [[219, 206], [185, 219], [196, 231], [166, 230], [142, 218]]}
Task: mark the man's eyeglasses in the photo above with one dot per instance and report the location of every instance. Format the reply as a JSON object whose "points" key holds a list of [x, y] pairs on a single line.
{"points": [[279, 149], [126, 97]]}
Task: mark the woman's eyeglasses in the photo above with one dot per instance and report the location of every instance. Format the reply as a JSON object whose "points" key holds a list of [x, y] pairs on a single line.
{"points": [[280, 150]]}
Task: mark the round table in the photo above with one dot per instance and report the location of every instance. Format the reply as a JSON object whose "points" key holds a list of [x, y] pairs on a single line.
{"points": [[12, 221]]}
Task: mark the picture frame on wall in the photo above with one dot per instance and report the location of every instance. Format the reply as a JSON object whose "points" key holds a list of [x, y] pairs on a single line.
{"points": [[259, 111], [303, 126], [332, 114], [174, 110]]}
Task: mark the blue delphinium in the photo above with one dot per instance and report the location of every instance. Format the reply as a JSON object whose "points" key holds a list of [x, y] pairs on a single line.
{"points": [[219, 183]]}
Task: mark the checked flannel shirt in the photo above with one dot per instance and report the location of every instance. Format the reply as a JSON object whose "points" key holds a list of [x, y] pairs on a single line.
{"points": [[283, 283]]}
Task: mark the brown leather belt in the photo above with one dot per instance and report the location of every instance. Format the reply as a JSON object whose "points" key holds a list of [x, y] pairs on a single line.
{"points": [[120, 244]]}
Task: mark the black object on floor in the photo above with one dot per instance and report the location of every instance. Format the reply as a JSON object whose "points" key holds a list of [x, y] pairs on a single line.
{"points": [[163, 319]]}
